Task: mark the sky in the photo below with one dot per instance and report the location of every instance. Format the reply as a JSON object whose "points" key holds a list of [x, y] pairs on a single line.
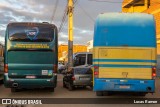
{"points": [[85, 13]]}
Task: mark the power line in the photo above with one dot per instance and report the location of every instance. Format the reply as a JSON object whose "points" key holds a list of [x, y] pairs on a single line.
{"points": [[63, 22], [74, 2], [86, 12], [63, 19], [54, 11]]}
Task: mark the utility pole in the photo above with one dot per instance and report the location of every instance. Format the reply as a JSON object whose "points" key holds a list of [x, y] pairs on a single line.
{"points": [[70, 33]]}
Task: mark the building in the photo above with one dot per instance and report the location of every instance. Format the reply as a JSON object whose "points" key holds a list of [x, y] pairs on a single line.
{"points": [[1, 50], [63, 50], [145, 6], [90, 46]]}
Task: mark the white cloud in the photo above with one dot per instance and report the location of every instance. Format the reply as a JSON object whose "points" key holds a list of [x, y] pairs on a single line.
{"points": [[2, 40], [41, 10], [2, 27], [63, 35], [61, 42]]}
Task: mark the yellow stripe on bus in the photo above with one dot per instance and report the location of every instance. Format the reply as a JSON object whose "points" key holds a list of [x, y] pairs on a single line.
{"points": [[141, 53], [126, 63], [142, 73]]}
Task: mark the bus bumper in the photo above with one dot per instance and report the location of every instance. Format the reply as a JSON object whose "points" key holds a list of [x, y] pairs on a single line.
{"points": [[129, 85], [30, 83]]}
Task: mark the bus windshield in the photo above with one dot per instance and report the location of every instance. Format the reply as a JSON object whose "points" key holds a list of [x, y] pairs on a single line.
{"points": [[37, 33]]}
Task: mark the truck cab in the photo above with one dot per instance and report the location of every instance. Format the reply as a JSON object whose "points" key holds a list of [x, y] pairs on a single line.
{"points": [[82, 58]]}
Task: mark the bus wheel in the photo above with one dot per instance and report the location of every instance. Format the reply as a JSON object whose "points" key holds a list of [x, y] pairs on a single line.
{"points": [[99, 93], [14, 90], [51, 89], [107, 93], [142, 94]]}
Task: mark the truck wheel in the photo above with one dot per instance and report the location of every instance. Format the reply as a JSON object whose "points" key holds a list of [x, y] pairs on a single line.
{"points": [[70, 87], [99, 93], [14, 90], [1, 81], [91, 87], [84, 86], [64, 85]]}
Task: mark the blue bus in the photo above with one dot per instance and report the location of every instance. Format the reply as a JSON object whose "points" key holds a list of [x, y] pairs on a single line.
{"points": [[124, 56]]}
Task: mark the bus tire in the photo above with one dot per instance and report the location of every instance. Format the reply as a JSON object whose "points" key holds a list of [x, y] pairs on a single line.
{"points": [[51, 89], [142, 94], [99, 93], [107, 93], [14, 90]]}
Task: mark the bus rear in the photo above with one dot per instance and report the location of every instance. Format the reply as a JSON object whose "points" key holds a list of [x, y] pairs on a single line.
{"points": [[30, 56], [124, 53]]}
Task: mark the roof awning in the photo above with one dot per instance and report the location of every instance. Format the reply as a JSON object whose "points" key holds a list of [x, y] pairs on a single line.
{"points": [[128, 3]]}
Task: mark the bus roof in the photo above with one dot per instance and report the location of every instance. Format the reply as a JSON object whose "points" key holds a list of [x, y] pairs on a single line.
{"points": [[83, 53], [125, 29], [30, 23]]}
